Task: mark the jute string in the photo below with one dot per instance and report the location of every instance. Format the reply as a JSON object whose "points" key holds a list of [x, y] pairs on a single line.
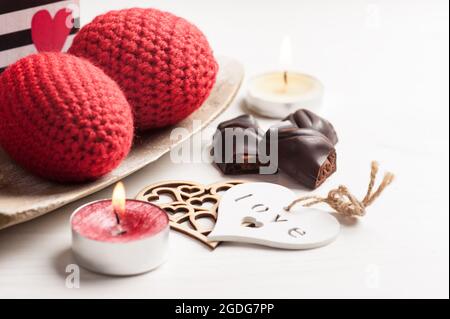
{"points": [[343, 202]]}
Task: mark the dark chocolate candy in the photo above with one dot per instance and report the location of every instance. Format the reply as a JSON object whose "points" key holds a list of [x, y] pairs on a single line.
{"points": [[307, 119], [237, 154], [305, 154]]}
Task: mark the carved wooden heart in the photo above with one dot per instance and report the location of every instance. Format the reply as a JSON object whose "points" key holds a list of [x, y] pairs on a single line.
{"points": [[189, 205]]}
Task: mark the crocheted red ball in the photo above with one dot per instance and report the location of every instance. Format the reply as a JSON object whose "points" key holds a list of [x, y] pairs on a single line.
{"points": [[163, 63], [63, 118]]}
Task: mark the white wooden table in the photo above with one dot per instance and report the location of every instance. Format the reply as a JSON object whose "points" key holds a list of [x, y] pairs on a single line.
{"points": [[385, 68]]}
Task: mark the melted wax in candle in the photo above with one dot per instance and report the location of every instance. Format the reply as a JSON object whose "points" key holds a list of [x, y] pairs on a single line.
{"points": [[98, 222]]}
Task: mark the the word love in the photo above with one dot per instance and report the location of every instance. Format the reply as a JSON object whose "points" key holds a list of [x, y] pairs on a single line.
{"points": [[255, 213]]}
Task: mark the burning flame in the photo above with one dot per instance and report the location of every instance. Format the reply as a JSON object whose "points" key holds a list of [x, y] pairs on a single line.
{"points": [[118, 200], [286, 59]]}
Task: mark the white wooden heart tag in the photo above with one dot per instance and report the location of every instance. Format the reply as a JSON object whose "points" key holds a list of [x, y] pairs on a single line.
{"points": [[255, 213]]}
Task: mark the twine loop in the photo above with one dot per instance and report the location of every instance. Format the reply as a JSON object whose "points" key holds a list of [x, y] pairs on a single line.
{"points": [[344, 202]]}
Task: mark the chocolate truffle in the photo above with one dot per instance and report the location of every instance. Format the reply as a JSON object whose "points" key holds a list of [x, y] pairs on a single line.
{"points": [[305, 154], [235, 146], [307, 119]]}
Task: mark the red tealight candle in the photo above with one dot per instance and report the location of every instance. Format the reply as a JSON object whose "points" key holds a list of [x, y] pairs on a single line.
{"points": [[118, 236]]}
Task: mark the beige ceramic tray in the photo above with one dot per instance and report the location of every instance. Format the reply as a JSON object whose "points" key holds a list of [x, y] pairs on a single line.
{"points": [[24, 196]]}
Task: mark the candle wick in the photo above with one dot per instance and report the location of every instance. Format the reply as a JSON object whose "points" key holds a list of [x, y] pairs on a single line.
{"points": [[119, 232], [285, 78], [117, 217]]}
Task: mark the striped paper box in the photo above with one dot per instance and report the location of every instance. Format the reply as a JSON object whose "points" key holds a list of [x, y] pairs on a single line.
{"points": [[29, 26]]}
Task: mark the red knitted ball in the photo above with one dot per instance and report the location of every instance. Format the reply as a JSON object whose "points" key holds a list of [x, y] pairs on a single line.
{"points": [[163, 63], [62, 118]]}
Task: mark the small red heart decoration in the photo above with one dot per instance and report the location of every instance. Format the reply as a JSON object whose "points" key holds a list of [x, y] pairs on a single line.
{"points": [[50, 34]]}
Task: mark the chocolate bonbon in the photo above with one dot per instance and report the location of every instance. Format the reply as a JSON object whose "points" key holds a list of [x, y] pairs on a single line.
{"points": [[235, 146], [305, 154], [303, 143], [307, 119]]}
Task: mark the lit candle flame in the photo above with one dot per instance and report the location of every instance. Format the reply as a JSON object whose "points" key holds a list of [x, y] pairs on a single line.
{"points": [[286, 58], [118, 201]]}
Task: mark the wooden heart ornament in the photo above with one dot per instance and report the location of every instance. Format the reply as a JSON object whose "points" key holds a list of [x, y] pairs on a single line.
{"points": [[192, 207], [255, 213], [50, 34]]}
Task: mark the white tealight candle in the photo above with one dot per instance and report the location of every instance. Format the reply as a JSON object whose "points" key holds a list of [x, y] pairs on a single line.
{"points": [[277, 94]]}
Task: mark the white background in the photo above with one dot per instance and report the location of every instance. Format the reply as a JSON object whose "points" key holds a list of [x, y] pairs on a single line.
{"points": [[385, 68]]}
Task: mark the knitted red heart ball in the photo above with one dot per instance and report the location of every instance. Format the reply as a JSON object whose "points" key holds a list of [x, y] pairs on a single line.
{"points": [[63, 118], [163, 63]]}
